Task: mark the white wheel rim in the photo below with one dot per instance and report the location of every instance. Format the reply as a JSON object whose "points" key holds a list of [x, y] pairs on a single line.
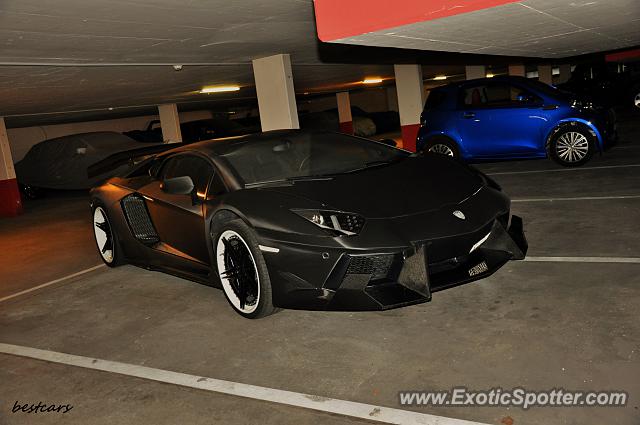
{"points": [[441, 149], [104, 237], [572, 146], [230, 235], [636, 100]]}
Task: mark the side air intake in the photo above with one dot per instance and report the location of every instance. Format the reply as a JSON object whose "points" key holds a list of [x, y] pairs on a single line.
{"points": [[135, 210]]}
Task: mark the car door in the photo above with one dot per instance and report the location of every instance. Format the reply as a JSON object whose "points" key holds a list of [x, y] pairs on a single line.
{"points": [[179, 219], [508, 120], [473, 120], [517, 118]]}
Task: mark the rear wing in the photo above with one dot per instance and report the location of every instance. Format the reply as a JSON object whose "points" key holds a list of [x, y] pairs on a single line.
{"points": [[118, 159]]}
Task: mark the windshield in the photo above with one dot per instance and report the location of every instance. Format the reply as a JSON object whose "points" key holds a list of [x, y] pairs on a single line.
{"points": [[305, 155], [547, 90]]}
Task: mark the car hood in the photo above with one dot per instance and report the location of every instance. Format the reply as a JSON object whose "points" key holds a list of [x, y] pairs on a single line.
{"points": [[411, 186]]}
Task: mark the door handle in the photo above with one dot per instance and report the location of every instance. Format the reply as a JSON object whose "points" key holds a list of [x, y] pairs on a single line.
{"points": [[469, 115]]}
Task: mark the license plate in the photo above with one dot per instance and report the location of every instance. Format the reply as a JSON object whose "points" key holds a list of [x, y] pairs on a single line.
{"points": [[479, 269]]}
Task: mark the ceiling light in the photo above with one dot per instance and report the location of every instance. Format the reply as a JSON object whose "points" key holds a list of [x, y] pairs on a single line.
{"points": [[440, 77], [219, 89], [374, 80]]}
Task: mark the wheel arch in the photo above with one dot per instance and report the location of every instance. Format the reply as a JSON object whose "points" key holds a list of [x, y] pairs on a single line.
{"points": [[573, 122], [443, 136]]}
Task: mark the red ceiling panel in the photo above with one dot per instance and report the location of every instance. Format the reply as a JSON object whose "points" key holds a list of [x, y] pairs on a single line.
{"points": [[338, 19]]}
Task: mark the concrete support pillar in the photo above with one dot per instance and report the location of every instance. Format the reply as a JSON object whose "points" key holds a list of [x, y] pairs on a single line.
{"points": [[10, 200], [475, 71], [276, 96], [517, 70], [170, 123], [344, 112], [545, 74], [565, 73], [410, 102]]}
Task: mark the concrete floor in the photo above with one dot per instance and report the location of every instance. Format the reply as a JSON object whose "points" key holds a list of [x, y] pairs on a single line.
{"points": [[536, 325]]}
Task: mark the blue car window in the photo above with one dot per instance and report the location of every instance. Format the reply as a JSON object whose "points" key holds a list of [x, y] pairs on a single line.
{"points": [[497, 95]]}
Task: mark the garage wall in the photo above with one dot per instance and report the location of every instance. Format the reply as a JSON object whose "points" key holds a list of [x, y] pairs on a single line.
{"points": [[21, 139]]}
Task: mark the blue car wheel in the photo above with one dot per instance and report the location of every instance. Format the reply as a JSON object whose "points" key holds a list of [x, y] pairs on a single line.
{"points": [[571, 145], [442, 146]]}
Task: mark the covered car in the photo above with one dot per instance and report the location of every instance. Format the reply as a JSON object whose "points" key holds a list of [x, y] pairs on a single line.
{"points": [[62, 163]]}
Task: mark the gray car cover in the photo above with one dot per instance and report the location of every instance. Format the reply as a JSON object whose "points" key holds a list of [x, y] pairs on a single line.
{"points": [[61, 163]]}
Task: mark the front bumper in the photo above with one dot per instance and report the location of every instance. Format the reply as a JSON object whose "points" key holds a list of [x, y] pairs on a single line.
{"points": [[392, 278]]}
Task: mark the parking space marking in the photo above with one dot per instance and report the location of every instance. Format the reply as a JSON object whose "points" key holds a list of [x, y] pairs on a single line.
{"points": [[307, 401], [558, 170], [581, 198], [52, 282], [626, 260]]}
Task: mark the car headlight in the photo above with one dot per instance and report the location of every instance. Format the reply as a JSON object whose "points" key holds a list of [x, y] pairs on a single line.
{"points": [[336, 222]]}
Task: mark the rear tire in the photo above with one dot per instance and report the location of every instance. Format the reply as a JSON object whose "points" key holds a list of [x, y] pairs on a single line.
{"points": [[442, 146], [106, 239], [242, 270], [571, 145]]}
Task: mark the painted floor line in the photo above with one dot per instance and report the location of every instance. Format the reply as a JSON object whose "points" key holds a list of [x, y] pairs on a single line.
{"points": [[581, 198], [52, 282], [307, 401], [625, 260], [559, 170]]}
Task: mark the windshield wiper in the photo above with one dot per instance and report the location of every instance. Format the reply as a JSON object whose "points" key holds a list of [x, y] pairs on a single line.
{"points": [[378, 163], [310, 178], [290, 180]]}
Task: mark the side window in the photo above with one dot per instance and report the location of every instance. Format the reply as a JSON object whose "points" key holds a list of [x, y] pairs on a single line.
{"points": [[199, 169], [474, 96], [497, 96]]}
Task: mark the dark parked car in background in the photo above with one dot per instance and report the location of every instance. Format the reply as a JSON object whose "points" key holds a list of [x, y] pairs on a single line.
{"points": [[512, 117], [606, 83], [195, 131], [62, 162]]}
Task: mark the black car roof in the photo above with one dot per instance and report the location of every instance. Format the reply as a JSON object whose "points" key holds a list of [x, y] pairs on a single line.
{"points": [[218, 146]]}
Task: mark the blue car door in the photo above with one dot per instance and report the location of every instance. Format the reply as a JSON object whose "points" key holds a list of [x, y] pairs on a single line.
{"points": [[509, 121], [473, 120]]}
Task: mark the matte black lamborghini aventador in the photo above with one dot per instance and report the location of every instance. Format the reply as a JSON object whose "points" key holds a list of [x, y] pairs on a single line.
{"points": [[309, 220]]}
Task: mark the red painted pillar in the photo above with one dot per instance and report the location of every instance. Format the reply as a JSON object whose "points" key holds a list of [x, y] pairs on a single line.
{"points": [[344, 112], [10, 200], [411, 97]]}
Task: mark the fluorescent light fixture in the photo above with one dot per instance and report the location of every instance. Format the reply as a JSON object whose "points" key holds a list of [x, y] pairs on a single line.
{"points": [[440, 77], [373, 80], [490, 75], [219, 89]]}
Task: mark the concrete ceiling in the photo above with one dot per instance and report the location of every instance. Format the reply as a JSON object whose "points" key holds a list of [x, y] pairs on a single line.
{"points": [[541, 28], [85, 56]]}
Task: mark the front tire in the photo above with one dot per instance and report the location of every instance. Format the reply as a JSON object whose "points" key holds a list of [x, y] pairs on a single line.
{"points": [[105, 237], [572, 145], [242, 270], [442, 146]]}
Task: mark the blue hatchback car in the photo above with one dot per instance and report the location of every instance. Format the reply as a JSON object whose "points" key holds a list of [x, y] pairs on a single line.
{"points": [[512, 117]]}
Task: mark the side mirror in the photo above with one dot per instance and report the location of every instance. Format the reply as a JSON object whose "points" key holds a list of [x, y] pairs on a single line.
{"points": [[178, 185]]}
